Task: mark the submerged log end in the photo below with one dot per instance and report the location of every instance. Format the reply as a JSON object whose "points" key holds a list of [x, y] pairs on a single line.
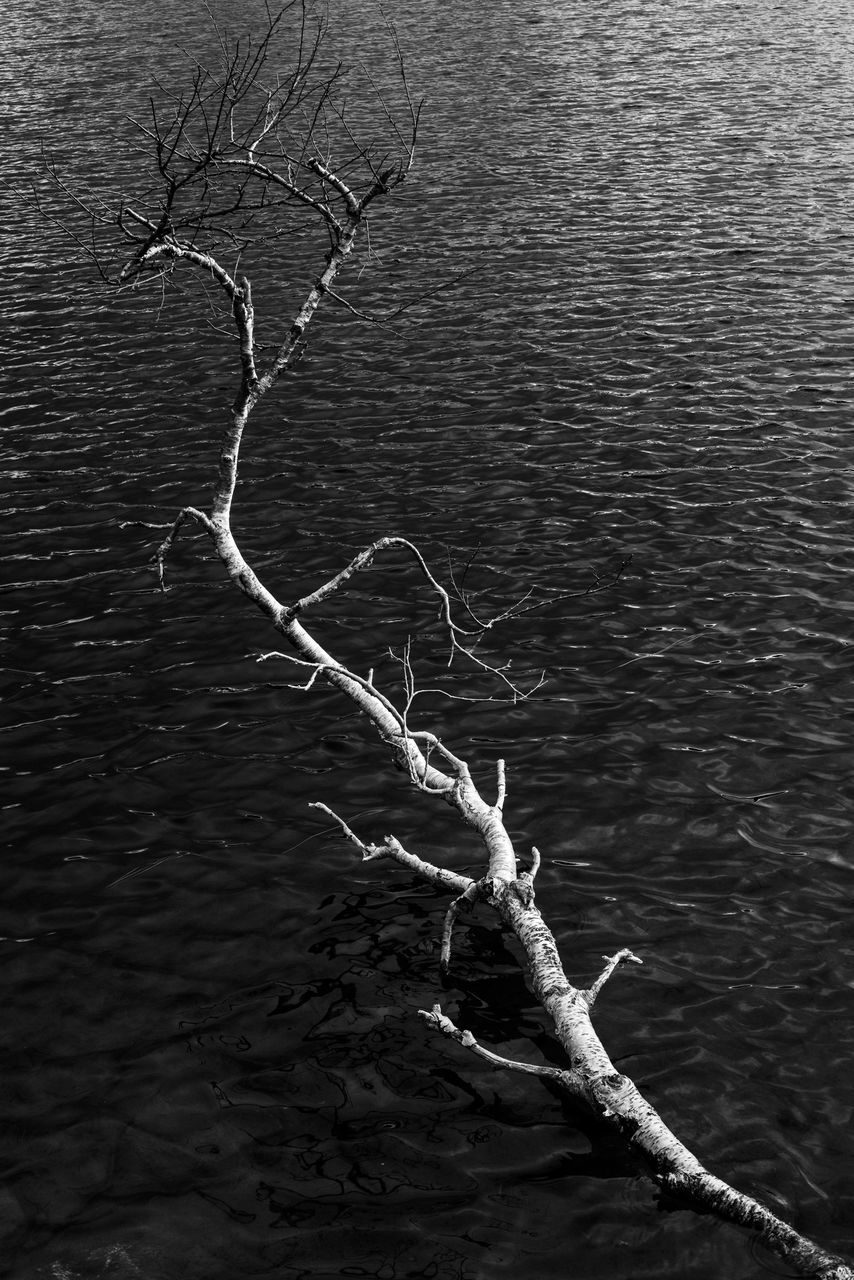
{"points": [[705, 1191]]}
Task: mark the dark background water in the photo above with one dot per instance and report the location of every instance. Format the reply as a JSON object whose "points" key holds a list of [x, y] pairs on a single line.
{"points": [[213, 1064]]}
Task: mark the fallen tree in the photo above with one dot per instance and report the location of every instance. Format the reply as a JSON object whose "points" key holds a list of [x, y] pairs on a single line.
{"points": [[244, 156]]}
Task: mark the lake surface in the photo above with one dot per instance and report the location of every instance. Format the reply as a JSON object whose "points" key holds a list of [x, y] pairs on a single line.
{"points": [[214, 1067]]}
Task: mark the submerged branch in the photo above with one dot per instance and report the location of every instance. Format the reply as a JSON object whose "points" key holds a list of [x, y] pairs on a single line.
{"points": [[231, 132]]}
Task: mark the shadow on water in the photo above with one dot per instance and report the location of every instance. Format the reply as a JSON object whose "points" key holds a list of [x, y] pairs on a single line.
{"points": [[213, 1061]]}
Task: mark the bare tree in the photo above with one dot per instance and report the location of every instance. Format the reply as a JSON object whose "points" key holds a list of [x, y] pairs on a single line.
{"points": [[244, 158]]}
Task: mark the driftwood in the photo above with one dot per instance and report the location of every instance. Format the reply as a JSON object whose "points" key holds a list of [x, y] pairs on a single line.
{"points": [[235, 155]]}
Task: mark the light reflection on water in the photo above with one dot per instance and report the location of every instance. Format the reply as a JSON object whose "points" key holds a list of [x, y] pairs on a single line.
{"points": [[215, 1060]]}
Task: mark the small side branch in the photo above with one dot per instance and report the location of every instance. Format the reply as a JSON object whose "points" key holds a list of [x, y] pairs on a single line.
{"points": [[469, 898], [612, 962], [364, 560], [187, 513], [354, 205], [327, 668], [392, 848], [440, 1022]]}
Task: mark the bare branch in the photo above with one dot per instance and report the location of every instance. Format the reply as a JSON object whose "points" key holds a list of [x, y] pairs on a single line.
{"points": [[364, 560], [516, 611], [264, 173], [351, 835], [466, 899], [569, 1080], [624, 956], [392, 848], [502, 786], [186, 513]]}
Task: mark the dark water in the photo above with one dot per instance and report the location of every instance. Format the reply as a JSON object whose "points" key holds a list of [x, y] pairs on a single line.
{"points": [[213, 1067]]}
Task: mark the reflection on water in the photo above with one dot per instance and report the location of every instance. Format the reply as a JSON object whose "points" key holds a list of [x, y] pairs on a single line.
{"points": [[214, 1064]]}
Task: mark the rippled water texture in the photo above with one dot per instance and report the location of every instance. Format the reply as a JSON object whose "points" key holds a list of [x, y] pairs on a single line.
{"points": [[214, 1067]]}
